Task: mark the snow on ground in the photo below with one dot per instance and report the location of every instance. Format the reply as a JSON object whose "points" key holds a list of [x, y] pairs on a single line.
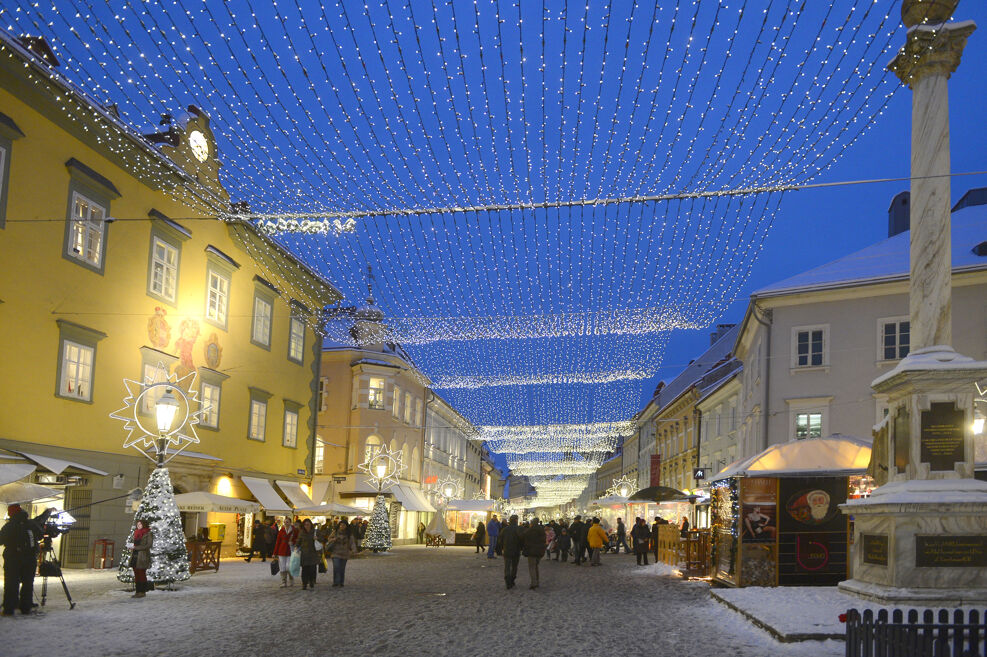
{"points": [[819, 607], [414, 601]]}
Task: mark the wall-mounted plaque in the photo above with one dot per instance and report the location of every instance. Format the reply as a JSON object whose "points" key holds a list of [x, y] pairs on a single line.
{"points": [[942, 436], [875, 547], [968, 551]]}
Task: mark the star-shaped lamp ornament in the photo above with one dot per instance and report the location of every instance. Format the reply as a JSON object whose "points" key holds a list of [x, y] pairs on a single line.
{"points": [[160, 414], [448, 489], [384, 468], [623, 487]]}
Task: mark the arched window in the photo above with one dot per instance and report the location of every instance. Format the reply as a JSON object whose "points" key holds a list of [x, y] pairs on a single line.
{"points": [[371, 447]]}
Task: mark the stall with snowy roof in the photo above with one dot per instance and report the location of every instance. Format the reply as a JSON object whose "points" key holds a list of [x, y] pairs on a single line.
{"points": [[775, 516]]}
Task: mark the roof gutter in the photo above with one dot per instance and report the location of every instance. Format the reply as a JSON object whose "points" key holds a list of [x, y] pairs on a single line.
{"points": [[756, 313]]}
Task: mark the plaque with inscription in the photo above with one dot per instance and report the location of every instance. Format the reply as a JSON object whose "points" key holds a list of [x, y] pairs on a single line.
{"points": [[968, 551], [875, 547], [902, 434], [942, 436]]}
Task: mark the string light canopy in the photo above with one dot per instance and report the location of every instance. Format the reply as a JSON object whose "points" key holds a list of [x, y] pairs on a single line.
{"points": [[556, 185]]}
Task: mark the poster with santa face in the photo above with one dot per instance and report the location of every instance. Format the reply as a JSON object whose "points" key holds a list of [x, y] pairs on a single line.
{"points": [[812, 536]]}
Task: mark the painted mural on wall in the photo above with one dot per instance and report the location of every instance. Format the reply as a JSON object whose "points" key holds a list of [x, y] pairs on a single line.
{"points": [[159, 336]]}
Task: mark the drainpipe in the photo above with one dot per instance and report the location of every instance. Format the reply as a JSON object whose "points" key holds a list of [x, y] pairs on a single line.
{"points": [[766, 323]]}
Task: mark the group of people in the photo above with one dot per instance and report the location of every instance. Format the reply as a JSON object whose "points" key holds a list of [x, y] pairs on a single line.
{"points": [[585, 540], [337, 540]]}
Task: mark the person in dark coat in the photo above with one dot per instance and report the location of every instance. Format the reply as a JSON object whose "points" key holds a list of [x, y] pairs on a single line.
{"points": [[534, 548], [509, 544], [684, 528], [562, 545], [576, 532], [654, 537], [493, 530], [258, 542], [141, 556], [639, 537], [310, 557], [622, 536], [480, 537], [270, 537], [20, 536]]}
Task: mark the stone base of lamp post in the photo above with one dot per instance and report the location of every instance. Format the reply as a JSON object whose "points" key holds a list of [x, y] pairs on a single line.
{"points": [[921, 538]]}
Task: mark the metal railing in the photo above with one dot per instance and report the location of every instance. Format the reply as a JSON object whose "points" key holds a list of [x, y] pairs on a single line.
{"points": [[904, 635]]}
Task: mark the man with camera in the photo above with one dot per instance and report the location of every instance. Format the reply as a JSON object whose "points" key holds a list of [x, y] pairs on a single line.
{"points": [[19, 537]]}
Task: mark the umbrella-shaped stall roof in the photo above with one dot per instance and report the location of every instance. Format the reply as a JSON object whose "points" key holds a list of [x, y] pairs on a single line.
{"points": [[658, 494], [211, 502], [330, 509], [20, 492], [610, 500], [835, 455]]}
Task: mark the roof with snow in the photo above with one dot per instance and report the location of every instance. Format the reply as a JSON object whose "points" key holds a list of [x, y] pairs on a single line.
{"points": [[716, 356], [831, 456], [889, 259]]}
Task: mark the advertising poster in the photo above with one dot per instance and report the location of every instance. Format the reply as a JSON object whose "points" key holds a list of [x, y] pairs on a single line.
{"points": [[812, 532]]}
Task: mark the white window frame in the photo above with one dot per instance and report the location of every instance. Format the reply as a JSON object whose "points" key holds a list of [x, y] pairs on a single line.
{"points": [[152, 374], [169, 271], [296, 340], [217, 312], [408, 408], [808, 405], [825, 347], [396, 403], [418, 413], [82, 379], [260, 327], [290, 428], [897, 321], [257, 426], [378, 403], [82, 230], [323, 393], [210, 411]]}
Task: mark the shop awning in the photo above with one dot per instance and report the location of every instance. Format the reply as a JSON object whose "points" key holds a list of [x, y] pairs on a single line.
{"points": [[199, 501], [13, 471], [320, 489], [265, 494], [610, 500], [20, 492], [410, 498], [58, 466], [293, 491], [833, 456], [471, 505], [331, 509]]}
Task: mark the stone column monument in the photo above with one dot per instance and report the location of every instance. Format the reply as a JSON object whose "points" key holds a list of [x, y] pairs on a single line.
{"points": [[921, 538]]}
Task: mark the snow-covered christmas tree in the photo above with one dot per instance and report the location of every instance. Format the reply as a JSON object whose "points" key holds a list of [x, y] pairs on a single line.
{"points": [[378, 536], [157, 508]]}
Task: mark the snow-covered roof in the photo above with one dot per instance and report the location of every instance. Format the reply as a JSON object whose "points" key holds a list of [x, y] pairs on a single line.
{"points": [[831, 456], [698, 368], [889, 259]]}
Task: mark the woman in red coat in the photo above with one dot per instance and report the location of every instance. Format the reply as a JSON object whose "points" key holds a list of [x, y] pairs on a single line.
{"points": [[283, 545]]}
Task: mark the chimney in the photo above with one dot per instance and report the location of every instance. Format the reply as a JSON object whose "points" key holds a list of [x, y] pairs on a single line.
{"points": [[975, 196], [40, 48], [721, 330], [898, 213]]}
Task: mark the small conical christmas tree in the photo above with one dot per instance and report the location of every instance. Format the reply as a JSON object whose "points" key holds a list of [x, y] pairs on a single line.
{"points": [[157, 508], [378, 536]]}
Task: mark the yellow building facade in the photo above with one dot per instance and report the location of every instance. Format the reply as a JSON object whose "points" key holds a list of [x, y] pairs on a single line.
{"points": [[114, 264]]}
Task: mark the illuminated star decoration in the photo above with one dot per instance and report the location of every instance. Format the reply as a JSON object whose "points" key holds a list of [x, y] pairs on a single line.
{"points": [[623, 487], [384, 468], [138, 413], [448, 489]]}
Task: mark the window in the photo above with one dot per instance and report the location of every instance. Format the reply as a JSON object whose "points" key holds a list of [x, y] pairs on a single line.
{"points": [[319, 465], [86, 230], [77, 371], [323, 393], [210, 406], [163, 281], [407, 407], [418, 413], [808, 425], [290, 428], [258, 419], [809, 346], [296, 340], [217, 297], [372, 447], [153, 374], [396, 403], [894, 338], [375, 400], [260, 333]]}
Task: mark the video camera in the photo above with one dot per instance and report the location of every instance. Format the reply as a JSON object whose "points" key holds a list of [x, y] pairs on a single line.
{"points": [[57, 524]]}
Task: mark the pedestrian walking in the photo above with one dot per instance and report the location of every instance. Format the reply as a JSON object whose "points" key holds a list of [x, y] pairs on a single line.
{"points": [[534, 549], [310, 553], [596, 537], [654, 536], [270, 537], [342, 545], [509, 544], [562, 545], [479, 537], [283, 545], [19, 537], [639, 537], [258, 541], [421, 532], [493, 530], [576, 534], [622, 536], [140, 557]]}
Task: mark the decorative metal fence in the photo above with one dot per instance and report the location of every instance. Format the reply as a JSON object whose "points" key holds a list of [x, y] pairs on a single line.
{"points": [[904, 635]]}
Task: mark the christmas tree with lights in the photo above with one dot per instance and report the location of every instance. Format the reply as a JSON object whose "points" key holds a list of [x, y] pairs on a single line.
{"points": [[378, 536], [157, 508]]}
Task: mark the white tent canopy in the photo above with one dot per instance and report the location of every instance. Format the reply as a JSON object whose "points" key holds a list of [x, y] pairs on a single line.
{"points": [[58, 466], [13, 471], [611, 500], [471, 505], [20, 492], [200, 501], [438, 527], [331, 509], [835, 455]]}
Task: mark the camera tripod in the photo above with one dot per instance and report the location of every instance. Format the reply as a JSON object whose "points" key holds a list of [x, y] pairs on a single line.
{"points": [[49, 567]]}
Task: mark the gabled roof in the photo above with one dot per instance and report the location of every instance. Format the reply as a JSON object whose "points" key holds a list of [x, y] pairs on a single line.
{"points": [[697, 369], [888, 260]]}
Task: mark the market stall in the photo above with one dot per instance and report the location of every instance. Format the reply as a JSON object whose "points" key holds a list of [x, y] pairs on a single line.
{"points": [[775, 516], [462, 517], [223, 515]]}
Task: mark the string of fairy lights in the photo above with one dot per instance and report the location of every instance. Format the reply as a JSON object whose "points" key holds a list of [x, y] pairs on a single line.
{"points": [[543, 191]]}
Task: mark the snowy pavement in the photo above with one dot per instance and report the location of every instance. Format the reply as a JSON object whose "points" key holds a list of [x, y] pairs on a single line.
{"points": [[413, 601]]}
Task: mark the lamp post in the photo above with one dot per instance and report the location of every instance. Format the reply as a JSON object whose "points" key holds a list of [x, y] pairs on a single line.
{"points": [[165, 409]]}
